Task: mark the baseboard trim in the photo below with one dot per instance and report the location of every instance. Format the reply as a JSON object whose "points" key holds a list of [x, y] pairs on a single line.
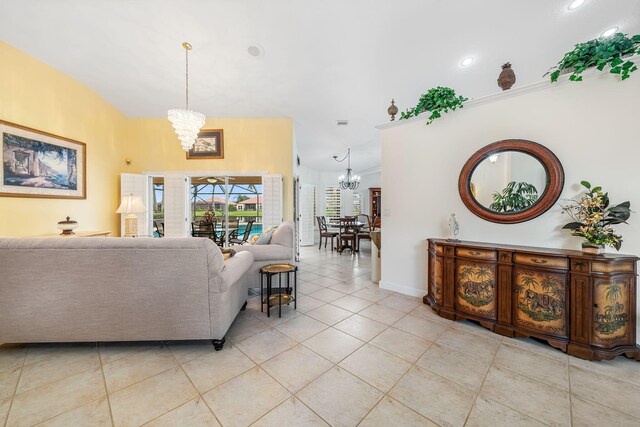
{"points": [[402, 289]]}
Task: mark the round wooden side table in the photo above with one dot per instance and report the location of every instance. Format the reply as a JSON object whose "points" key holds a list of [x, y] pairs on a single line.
{"points": [[290, 292]]}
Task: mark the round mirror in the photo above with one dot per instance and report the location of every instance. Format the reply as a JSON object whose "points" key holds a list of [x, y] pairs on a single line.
{"points": [[511, 181]]}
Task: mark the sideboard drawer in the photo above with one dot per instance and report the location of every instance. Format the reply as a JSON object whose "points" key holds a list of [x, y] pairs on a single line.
{"points": [[477, 254], [609, 267], [542, 261]]}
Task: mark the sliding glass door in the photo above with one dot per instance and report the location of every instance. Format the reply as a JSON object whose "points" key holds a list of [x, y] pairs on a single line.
{"points": [[234, 203]]}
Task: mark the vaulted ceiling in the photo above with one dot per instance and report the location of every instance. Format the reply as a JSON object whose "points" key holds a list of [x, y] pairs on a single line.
{"points": [[321, 61]]}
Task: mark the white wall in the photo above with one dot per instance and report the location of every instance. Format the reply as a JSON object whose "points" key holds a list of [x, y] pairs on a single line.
{"points": [[591, 126]]}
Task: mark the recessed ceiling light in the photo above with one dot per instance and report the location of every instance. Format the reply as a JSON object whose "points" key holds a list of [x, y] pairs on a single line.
{"points": [[467, 61], [255, 51], [576, 4], [609, 32]]}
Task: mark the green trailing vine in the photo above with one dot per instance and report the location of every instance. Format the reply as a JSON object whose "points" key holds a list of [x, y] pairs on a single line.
{"points": [[600, 53], [437, 100]]}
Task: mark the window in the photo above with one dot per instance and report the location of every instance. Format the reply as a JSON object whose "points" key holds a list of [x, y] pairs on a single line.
{"points": [[245, 197], [332, 203], [158, 199], [357, 204]]}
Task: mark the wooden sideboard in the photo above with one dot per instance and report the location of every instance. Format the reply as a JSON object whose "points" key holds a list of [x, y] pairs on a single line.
{"points": [[582, 304]]}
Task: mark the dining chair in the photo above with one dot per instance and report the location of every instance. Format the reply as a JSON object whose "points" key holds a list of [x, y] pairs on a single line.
{"points": [[234, 225], [364, 231], [233, 237], [347, 235], [203, 229], [157, 229], [324, 232]]}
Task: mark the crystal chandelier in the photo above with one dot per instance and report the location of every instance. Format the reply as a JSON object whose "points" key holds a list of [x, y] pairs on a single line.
{"points": [[186, 123], [348, 181]]}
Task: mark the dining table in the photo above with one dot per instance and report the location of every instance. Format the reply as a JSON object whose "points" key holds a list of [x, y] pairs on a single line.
{"points": [[357, 226]]}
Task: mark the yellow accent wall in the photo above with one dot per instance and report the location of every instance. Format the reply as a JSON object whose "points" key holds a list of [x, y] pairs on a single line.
{"points": [[38, 96], [250, 145]]}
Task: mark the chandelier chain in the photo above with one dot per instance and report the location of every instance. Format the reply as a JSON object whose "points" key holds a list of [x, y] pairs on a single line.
{"points": [[186, 123], [186, 51]]}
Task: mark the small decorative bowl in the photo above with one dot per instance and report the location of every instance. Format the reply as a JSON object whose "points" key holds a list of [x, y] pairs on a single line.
{"points": [[67, 226]]}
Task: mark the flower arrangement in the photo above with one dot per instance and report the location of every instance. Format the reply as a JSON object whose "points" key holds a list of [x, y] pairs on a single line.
{"points": [[593, 217], [208, 217]]}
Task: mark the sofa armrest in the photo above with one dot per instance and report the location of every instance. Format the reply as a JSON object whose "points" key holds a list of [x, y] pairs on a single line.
{"points": [[234, 268]]}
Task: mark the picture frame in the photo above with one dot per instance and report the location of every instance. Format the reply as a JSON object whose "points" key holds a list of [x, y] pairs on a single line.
{"points": [[38, 164], [209, 145]]}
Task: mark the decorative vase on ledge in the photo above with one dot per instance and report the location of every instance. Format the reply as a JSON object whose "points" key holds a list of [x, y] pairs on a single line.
{"points": [[592, 248]]}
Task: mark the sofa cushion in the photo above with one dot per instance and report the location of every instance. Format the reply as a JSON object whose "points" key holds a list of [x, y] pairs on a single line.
{"points": [[265, 236], [283, 235]]}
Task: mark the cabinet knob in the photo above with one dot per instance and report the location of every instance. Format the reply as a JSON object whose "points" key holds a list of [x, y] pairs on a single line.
{"points": [[539, 261], [475, 253]]}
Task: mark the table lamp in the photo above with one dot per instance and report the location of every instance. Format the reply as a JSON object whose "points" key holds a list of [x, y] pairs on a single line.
{"points": [[131, 205]]}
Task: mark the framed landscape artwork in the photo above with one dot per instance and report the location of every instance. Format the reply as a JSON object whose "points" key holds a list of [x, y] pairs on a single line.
{"points": [[209, 145], [39, 164]]}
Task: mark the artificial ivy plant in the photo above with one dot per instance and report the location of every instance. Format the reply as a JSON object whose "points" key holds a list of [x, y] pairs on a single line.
{"points": [[437, 100], [600, 53]]}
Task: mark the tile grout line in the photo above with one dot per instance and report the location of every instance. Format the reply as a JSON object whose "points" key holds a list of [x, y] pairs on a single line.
{"points": [[570, 393], [84, 404], [582, 368], [15, 389], [43, 362], [334, 365], [104, 379], [492, 364], [192, 384], [282, 385], [386, 394], [493, 359], [504, 368], [585, 398]]}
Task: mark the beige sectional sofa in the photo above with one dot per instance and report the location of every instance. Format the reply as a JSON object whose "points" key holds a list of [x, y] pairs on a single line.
{"points": [[279, 250], [104, 289]]}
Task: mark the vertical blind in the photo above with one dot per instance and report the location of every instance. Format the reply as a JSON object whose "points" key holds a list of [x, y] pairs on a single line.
{"points": [[272, 205]]}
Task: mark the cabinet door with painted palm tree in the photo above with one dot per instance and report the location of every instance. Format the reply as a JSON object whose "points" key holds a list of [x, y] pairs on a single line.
{"points": [[610, 325], [476, 288], [540, 301]]}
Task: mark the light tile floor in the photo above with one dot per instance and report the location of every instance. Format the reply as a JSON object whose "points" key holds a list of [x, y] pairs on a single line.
{"points": [[352, 354]]}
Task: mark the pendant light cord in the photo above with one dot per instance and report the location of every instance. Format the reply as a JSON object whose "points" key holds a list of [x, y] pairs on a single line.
{"points": [[186, 51]]}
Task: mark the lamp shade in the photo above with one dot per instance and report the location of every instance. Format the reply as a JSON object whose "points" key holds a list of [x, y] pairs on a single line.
{"points": [[131, 204]]}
